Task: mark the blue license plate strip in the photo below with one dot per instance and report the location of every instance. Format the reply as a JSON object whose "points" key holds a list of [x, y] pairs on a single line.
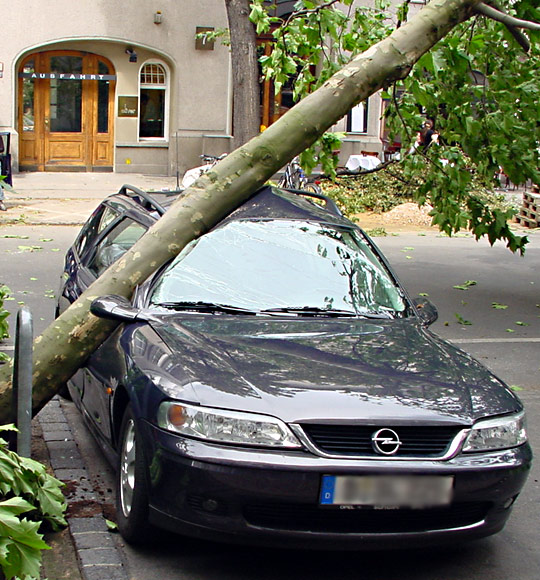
{"points": [[386, 491]]}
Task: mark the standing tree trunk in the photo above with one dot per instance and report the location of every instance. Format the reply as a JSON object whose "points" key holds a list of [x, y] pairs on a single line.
{"points": [[67, 342], [246, 101]]}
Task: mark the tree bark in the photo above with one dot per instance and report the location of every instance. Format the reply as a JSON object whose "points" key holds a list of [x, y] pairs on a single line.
{"points": [[245, 71], [67, 342]]}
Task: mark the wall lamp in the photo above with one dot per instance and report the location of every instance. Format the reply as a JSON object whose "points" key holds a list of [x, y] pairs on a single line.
{"points": [[157, 17], [132, 54]]}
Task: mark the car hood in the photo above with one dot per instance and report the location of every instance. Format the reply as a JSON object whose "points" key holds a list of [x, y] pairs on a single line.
{"points": [[316, 370]]}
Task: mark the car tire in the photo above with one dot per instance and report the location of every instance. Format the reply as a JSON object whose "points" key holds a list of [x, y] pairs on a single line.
{"points": [[131, 484]]}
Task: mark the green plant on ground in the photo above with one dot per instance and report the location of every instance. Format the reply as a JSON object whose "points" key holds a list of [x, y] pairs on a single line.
{"points": [[383, 190], [379, 192], [25, 488]]}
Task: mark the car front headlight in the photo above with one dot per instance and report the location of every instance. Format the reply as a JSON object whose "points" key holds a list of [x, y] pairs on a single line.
{"points": [[499, 433], [225, 426]]}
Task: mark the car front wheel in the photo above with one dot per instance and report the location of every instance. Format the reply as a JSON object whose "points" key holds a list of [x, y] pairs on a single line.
{"points": [[131, 484]]}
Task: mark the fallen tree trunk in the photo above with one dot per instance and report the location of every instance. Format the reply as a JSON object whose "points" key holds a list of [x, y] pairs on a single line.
{"points": [[68, 341]]}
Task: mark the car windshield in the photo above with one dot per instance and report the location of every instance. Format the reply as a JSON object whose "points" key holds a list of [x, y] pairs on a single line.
{"points": [[281, 266]]}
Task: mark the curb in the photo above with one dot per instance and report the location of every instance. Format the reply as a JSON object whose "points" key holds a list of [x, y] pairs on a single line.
{"points": [[99, 558]]}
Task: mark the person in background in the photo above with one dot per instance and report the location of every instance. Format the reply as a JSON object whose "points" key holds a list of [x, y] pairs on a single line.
{"points": [[427, 135]]}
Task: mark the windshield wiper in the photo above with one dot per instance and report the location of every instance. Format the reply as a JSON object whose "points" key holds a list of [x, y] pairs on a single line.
{"points": [[204, 307], [309, 311], [315, 311]]}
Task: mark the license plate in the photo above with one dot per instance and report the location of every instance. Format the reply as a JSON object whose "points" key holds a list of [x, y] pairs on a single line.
{"points": [[386, 491]]}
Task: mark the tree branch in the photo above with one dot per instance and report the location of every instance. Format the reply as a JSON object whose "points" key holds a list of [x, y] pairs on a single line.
{"points": [[505, 18], [306, 11], [511, 22]]}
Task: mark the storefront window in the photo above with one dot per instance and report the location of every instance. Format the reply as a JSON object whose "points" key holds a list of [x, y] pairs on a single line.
{"points": [[65, 107], [28, 97], [103, 99], [152, 96]]}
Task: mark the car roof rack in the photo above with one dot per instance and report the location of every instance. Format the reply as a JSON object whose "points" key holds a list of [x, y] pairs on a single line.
{"points": [[330, 203], [142, 198]]}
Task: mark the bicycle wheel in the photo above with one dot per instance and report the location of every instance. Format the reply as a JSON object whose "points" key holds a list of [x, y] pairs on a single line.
{"points": [[313, 188]]}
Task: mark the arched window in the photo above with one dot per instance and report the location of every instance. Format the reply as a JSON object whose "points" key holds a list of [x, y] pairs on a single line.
{"points": [[153, 101]]}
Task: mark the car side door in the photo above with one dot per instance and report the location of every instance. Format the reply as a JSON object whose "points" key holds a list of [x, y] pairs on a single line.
{"points": [[76, 278], [105, 367]]}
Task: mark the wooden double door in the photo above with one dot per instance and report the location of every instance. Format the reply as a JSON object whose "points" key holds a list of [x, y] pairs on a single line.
{"points": [[66, 112]]}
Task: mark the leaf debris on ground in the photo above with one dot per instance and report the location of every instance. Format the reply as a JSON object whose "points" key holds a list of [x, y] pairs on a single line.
{"points": [[466, 285]]}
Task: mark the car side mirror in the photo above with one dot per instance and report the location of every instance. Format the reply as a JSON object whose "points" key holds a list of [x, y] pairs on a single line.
{"points": [[113, 307], [426, 310]]}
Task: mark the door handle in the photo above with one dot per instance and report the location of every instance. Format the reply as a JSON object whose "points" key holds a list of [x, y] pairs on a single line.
{"points": [[46, 121]]}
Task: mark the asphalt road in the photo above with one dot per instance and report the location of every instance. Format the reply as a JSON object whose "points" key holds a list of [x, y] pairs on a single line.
{"points": [[507, 340]]}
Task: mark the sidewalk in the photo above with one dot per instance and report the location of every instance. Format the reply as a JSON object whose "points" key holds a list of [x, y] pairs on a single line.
{"points": [[86, 550], [68, 198]]}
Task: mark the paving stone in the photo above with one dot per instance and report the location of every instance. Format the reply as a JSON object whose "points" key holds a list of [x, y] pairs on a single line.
{"points": [[57, 435], [60, 426], [81, 525], [97, 556], [66, 460], [71, 474], [53, 416], [88, 540], [63, 447], [105, 572]]}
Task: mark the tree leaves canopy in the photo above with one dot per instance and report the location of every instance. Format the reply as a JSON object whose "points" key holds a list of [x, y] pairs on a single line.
{"points": [[477, 84]]}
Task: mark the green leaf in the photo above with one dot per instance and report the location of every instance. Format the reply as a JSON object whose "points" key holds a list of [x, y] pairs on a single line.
{"points": [[519, 323], [462, 320], [35, 492], [466, 285], [24, 560], [14, 506], [498, 306], [30, 248], [52, 502]]}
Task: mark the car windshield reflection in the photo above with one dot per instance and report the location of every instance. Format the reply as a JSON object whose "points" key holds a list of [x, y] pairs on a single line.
{"points": [[286, 266]]}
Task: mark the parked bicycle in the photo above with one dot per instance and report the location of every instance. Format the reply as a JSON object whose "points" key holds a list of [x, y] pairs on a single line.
{"points": [[191, 175], [294, 177]]}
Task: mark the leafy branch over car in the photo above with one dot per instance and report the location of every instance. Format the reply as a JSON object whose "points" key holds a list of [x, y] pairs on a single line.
{"points": [[462, 84]]}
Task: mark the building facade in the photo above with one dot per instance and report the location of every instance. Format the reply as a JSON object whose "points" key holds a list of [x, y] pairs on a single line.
{"points": [[126, 87]]}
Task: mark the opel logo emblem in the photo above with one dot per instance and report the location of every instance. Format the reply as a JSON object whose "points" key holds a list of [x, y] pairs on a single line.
{"points": [[385, 442]]}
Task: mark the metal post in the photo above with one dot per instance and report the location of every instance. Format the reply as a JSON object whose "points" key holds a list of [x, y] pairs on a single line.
{"points": [[22, 380]]}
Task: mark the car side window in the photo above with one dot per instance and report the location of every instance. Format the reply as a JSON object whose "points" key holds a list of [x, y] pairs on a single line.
{"points": [[107, 217], [104, 216], [115, 244]]}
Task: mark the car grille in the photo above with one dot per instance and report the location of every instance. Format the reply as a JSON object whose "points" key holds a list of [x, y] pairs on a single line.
{"points": [[428, 442], [300, 517]]}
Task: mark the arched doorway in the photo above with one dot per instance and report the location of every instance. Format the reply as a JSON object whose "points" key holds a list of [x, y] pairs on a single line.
{"points": [[66, 112]]}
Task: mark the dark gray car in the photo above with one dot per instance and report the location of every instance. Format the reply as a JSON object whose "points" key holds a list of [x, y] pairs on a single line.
{"points": [[275, 384]]}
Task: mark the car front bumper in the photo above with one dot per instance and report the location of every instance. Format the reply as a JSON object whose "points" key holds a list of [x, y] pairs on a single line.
{"points": [[272, 497]]}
